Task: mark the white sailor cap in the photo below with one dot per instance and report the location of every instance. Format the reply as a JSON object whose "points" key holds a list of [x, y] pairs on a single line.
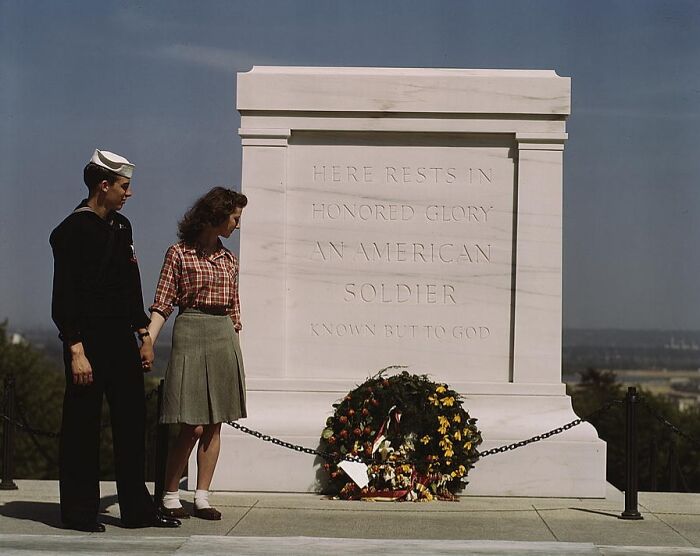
{"points": [[117, 164]]}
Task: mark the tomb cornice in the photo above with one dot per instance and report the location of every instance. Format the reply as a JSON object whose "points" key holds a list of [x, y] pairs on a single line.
{"points": [[398, 90]]}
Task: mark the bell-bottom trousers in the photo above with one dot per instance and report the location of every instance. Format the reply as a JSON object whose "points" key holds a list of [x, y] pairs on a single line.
{"points": [[113, 354]]}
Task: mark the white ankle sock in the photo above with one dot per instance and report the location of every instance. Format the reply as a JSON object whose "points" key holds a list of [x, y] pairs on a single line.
{"points": [[201, 499], [171, 500]]}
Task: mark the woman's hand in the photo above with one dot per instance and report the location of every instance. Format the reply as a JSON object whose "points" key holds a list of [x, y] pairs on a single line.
{"points": [[80, 366], [147, 354]]}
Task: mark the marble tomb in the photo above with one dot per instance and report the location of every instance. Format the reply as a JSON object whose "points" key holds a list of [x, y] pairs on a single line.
{"points": [[405, 217]]}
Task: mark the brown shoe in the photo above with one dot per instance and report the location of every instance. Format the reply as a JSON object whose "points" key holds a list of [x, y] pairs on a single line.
{"points": [[179, 513], [207, 513]]}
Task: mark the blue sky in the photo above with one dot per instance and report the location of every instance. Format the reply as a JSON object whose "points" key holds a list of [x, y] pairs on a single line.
{"points": [[155, 81]]}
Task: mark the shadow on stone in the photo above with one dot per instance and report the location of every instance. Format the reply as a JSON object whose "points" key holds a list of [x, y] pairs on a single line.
{"points": [[48, 513], [595, 512]]}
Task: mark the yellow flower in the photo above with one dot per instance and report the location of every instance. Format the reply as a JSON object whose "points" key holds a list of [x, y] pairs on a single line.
{"points": [[441, 389], [448, 401], [457, 418], [434, 400], [444, 424], [461, 470], [467, 445], [458, 435], [425, 439], [446, 445]]}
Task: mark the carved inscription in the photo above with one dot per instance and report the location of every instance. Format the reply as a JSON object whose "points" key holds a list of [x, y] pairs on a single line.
{"points": [[391, 212], [395, 174], [400, 293], [399, 331], [456, 215], [401, 252]]}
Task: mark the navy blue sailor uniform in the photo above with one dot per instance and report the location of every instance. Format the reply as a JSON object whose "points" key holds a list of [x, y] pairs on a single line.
{"points": [[97, 300]]}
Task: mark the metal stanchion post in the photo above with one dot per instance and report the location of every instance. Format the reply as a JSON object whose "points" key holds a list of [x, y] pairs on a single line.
{"points": [[8, 436], [161, 450], [631, 467]]}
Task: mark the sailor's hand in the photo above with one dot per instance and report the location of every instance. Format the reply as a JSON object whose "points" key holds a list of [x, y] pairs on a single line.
{"points": [[80, 366]]}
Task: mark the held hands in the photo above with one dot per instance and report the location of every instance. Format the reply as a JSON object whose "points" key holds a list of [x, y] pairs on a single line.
{"points": [[80, 366], [147, 354], [148, 337]]}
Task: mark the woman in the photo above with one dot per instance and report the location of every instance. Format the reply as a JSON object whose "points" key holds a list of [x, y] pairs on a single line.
{"points": [[204, 381]]}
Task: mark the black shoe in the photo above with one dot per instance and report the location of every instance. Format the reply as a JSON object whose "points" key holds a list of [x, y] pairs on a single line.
{"points": [[157, 520], [160, 520], [87, 527]]}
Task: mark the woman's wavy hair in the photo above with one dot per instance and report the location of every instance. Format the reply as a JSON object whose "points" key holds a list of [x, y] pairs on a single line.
{"points": [[211, 209]]}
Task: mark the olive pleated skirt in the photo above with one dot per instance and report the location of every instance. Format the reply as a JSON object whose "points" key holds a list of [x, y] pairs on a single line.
{"points": [[204, 381]]}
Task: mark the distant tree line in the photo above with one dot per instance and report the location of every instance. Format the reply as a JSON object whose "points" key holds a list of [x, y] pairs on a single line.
{"points": [[667, 461], [580, 358]]}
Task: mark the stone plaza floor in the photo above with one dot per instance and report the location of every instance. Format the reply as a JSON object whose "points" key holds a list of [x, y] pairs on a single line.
{"points": [[296, 524]]}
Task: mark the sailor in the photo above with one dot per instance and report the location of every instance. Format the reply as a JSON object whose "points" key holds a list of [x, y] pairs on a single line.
{"points": [[97, 306]]}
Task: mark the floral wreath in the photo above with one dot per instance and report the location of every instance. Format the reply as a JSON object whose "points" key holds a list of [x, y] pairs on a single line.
{"points": [[417, 440]]}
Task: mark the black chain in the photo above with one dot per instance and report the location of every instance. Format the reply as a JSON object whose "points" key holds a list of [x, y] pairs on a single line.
{"points": [[296, 447], [33, 438], [547, 434], [667, 423], [24, 426], [331, 457]]}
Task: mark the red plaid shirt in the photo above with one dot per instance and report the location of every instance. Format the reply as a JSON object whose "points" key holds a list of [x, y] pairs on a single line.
{"points": [[190, 280]]}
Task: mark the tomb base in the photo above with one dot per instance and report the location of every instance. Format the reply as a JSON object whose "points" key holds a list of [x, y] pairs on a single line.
{"points": [[570, 464]]}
